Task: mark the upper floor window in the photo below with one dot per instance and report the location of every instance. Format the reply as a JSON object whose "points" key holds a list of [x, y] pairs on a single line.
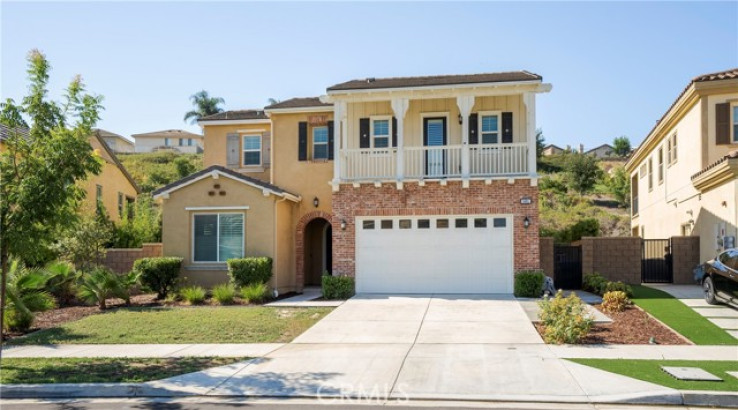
{"points": [[643, 171], [673, 157], [650, 174], [320, 143], [252, 150], [735, 123], [166, 142], [121, 204], [661, 165], [98, 193], [490, 126], [381, 133]]}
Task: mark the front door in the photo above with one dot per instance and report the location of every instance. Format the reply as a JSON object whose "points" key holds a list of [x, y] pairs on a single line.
{"points": [[434, 138]]}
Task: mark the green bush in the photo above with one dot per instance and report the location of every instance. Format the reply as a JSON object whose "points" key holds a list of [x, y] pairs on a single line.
{"points": [[247, 271], [619, 287], [224, 293], [614, 301], [158, 274], [97, 285], [255, 293], [594, 282], [25, 295], [127, 282], [194, 295], [565, 319], [529, 284], [338, 287]]}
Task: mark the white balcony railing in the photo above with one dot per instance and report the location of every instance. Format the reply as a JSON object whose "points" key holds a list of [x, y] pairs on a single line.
{"points": [[487, 160]]}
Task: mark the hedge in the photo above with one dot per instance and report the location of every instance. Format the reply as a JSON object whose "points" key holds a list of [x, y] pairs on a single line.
{"points": [[528, 284], [338, 287], [249, 271], [158, 274]]}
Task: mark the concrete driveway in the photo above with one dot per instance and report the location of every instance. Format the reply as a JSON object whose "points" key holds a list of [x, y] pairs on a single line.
{"points": [[427, 347]]}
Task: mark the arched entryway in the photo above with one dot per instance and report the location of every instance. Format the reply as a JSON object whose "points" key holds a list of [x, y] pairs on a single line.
{"points": [[318, 251]]}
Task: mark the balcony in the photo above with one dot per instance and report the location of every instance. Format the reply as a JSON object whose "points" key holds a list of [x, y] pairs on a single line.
{"points": [[435, 162]]}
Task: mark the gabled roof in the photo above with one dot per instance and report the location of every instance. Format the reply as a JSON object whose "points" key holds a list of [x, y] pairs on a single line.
{"points": [[553, 146], [167, 134], [299, 102], [217, 170], [250, 114], [98, 135], [436, 80], [720, 75], [601, 146], [107, 134]]}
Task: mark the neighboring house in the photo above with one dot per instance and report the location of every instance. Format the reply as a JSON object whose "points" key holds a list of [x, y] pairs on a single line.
{"points": [[117, 143], [114, 187], [169, 140], [6, 132], [603, 151], [684, 174], [415, 184], [552, 149]]}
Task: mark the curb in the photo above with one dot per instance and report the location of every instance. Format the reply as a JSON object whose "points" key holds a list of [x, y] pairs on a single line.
{"points": [[142, 390]]}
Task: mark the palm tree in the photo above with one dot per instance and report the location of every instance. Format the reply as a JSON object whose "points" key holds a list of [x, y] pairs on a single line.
{"points": [[204, 105], [272, 101], [26, 295]]}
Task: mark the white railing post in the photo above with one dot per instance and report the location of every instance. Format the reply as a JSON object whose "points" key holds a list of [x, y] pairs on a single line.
{"points": [[529, 99], [399, 107], [465, 104], [339, 112]]}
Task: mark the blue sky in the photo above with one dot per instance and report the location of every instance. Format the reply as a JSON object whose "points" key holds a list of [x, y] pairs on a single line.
{"points": [[615, 67]]}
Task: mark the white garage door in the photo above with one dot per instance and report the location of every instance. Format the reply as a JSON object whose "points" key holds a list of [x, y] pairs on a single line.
{"points": [[434, 254]]}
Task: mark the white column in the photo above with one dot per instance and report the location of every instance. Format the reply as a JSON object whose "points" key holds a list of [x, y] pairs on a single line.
{"points": [[465, 104], [399, 107], [529, 99], [339, 112]]}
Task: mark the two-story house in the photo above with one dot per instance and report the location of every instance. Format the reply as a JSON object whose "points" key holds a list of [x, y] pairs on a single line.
{"points": [[683, 175], [416, 184]]}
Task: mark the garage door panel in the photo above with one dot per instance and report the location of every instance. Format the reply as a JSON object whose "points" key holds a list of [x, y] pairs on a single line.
{"points": [[434, 260]]}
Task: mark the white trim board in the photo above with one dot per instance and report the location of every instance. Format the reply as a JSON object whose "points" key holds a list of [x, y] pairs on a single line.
{"points": [[216, 208]]}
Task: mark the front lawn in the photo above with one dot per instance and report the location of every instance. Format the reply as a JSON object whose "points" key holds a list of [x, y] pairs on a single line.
{"points": [[650, 371], [182, 325], [102, 370], [680, 317]]}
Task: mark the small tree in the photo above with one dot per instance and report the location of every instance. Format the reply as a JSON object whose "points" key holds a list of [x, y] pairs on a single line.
{"points": [[184, 166], [582, 172], [621, 146], [140, 224], [619, 186], [85, 243], [39, 170]]}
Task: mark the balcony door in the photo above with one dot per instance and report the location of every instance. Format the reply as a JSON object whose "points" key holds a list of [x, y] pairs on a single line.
{"points": [[434, 139]]}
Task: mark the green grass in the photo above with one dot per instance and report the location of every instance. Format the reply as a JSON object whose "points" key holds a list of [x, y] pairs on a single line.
{"points": [[650, 371], [153, 170], [680, 317], [182, 325], [102, 370]]}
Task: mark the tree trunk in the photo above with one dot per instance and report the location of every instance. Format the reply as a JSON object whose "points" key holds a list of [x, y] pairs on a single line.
{"points": [[4, 256]]}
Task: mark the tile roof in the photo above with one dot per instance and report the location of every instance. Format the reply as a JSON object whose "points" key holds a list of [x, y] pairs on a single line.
{"points": [[404, 82], [235, 175], [236, 115], [168, 134], [6, 131], [298, 103], [730, 155], [720, 75]]}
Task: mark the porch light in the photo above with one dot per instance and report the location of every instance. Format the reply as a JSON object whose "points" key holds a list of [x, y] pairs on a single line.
{"points": [[526, 222], [343, 224], [316, 202], [461, 119]]}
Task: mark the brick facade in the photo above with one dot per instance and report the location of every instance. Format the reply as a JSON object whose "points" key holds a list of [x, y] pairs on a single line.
{"points": [[497, 197], [300, 244], [121, 260], [685, 251]]}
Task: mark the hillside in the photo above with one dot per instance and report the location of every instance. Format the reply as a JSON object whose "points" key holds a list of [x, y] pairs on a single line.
{"points": [[156, 169]]}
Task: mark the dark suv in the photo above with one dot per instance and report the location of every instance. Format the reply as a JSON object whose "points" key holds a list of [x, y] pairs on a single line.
{"points": [[720, 282]]}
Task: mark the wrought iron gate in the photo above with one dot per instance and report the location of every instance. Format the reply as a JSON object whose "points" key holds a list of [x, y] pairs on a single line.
{"points": [[567, 267], [656, 261]]}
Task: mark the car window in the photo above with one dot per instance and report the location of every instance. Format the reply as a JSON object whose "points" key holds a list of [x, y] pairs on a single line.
{"points": [[729, 259]]}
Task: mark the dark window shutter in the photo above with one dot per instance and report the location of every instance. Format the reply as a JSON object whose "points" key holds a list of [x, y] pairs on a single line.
{"points": [[302, 142], [266, 149], [330, 140], [364, 133], [473, 128], [507, 127], [394, 131], [722, 123], [233, 154]]}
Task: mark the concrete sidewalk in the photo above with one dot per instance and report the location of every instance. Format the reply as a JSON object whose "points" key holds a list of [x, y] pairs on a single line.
{"points": [[143, 350]]}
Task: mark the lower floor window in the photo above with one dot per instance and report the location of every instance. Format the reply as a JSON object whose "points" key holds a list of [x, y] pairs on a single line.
{"points": [[218, 237]]}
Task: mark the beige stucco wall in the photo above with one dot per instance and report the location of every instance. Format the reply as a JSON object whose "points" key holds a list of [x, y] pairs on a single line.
{"points": [[714, 151], [259, 223], [215, 143], [285, 245], [413, 126], [112, 180]]}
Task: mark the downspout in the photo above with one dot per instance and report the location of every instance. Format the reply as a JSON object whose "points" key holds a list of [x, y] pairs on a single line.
{"points": [[275, 291]]}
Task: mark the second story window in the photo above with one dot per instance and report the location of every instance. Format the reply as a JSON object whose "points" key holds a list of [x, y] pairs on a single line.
{"points": [[121, 204], [735, 123], [650, 174], [320, 143], [490, 126], [251, 150], [380, 133], [661, 165]]}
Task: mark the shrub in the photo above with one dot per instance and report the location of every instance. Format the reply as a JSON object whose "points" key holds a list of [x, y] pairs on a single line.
{"points": [[62, 281], [255, 293], [97, 285], [247, 271], [126, 283], [529, 284], [594, 282], [224, 293], [141, 223], [158, 274], [614, 301], [620, 287], [338, 287], [194, 295], [25, 295], [565, 319]]}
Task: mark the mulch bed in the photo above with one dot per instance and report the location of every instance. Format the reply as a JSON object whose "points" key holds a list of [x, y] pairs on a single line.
{"points": [[632, 326]]}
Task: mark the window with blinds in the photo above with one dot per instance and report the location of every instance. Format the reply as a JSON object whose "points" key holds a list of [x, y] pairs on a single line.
{"points": [[218, 237]]}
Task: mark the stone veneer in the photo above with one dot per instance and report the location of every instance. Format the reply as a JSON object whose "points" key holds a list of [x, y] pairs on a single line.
{"points": [[498, 197]]}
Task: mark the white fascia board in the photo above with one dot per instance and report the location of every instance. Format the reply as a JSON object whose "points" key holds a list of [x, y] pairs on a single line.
{"points": [[543, 87], [216, 208], [298, 110], [438, 93], [233, 122]]}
